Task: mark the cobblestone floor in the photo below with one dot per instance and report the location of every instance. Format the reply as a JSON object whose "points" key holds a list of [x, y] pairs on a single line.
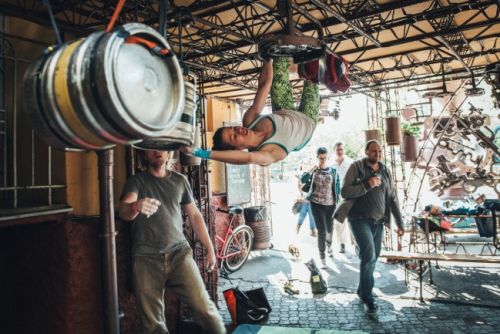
{"points": [[399, 308], [463, 288]]}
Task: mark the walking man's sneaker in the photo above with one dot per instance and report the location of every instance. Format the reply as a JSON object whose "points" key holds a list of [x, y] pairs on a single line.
{"points": [[370, 307], [330, 251]]}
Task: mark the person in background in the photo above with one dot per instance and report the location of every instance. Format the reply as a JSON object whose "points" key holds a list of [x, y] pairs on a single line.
{"points": [[305, 209], [323, 195], [341, 162], [369, 184], [162, 257]]}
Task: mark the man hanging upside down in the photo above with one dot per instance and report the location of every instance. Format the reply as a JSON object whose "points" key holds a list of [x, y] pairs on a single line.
{"points": [[268, 138]]}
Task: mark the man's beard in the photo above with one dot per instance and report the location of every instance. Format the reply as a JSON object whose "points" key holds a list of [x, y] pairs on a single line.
{"points": [[157, 164], [372, 160]]}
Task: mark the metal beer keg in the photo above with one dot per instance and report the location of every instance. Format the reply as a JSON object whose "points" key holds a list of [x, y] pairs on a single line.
{"points": [[57, 108], [82, 93], [106, 89], [33, 109], [139, 91], [183, 131]]}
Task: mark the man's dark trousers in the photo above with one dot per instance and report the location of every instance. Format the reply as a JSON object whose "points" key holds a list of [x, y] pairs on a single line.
{"points": [[368, 235]]}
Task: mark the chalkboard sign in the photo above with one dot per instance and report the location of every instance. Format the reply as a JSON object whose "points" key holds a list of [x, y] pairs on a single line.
{"points": [[238, 184]]}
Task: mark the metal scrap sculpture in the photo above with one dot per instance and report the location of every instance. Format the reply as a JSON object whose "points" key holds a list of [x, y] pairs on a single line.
{"points": [[472, 144]]}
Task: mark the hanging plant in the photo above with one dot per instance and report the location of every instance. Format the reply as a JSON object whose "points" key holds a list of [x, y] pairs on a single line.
{"points": [[411, 133], [410, 129]]}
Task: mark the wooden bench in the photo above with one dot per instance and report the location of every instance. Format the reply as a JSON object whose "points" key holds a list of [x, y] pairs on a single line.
{"points": [[422, 257]]}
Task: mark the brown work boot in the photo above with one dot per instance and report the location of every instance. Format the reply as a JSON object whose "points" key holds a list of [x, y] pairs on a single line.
{"points": [[313, 233]]}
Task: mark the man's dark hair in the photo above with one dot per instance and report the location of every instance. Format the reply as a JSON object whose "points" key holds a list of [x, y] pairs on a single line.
{"points": [[369, 143], [218, 143], [321, 150]]}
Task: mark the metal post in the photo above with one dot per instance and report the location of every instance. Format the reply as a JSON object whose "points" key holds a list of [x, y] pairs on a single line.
{"points": [[108, 247], [129, 161]]}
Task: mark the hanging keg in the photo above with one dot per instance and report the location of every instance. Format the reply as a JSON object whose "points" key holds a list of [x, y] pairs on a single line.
{"points": [[84, 135], [257, 218], [106, 89], [184, 130], [33, 109], [57, 104], [141, 92], [83, 95]]}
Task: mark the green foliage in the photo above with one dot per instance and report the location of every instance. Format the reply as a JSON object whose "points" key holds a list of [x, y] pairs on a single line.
{"points": [[350, 152], [410, 129]]}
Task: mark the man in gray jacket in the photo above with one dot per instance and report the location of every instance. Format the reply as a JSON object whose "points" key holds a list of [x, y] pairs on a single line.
{"points": [[369, 186]]}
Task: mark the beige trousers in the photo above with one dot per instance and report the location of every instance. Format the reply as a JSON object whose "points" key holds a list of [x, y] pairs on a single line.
{"points": [[177, 271]]}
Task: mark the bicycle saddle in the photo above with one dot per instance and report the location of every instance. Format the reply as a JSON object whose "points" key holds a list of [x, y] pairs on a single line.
{"points": [[236, 210]]}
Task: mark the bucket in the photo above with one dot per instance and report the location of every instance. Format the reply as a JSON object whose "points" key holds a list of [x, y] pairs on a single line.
{"points": [[393, 131], [258, 219], [373, 134], [410, 148]]}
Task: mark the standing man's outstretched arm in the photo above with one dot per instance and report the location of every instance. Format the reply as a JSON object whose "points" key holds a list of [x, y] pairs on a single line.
{"points": [[265, 82]]}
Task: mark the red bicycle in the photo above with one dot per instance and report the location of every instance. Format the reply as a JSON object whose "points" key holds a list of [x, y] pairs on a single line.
{"points": [[234, 248]]}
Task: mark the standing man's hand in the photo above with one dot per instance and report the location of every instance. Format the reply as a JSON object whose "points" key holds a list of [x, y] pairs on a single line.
{"points": [[147, 206], [374, 181], [211, 260], [401, 230]]}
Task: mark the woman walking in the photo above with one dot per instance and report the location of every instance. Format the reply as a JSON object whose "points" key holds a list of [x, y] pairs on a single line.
{"points": [[323, 196]]}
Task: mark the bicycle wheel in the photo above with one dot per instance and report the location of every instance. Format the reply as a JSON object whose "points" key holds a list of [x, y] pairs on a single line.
{"points": [[237, 248]]}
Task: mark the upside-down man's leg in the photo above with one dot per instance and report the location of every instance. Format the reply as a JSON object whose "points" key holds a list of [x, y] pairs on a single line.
{"points": [[309, 102], [281, 89]]}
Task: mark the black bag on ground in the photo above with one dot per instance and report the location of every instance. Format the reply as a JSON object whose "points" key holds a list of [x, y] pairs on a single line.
{"points": [[246, 307], [318, 284]]}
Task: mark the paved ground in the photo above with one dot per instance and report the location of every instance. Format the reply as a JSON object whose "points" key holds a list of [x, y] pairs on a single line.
{"points": [[472, 293]]}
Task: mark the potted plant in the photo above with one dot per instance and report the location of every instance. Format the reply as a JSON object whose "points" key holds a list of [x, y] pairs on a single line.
{"points": [[411, 133]]}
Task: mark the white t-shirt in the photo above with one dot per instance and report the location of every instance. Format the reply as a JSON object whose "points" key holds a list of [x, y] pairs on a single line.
{"points": [[342, 167], [292, 129]]}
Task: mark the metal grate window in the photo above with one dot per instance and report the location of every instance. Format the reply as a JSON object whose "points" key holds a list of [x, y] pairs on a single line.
{"points": [[32, 175]]}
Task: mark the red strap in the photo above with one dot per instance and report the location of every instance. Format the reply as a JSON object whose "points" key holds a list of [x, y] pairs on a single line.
{"points": [[117, 11], [154, 47]]}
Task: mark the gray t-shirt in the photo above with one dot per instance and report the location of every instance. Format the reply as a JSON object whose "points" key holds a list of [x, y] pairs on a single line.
{"points": [[162, 232]]}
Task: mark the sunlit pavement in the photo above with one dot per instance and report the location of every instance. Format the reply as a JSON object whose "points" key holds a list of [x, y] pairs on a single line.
{"points": [[471, 295]]}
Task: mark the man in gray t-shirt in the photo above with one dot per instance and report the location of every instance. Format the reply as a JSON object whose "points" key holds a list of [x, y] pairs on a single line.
{"points": [[153, 200]]}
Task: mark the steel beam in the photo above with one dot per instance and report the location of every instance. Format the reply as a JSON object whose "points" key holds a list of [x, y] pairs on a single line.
{"points": [[345, 21]]}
